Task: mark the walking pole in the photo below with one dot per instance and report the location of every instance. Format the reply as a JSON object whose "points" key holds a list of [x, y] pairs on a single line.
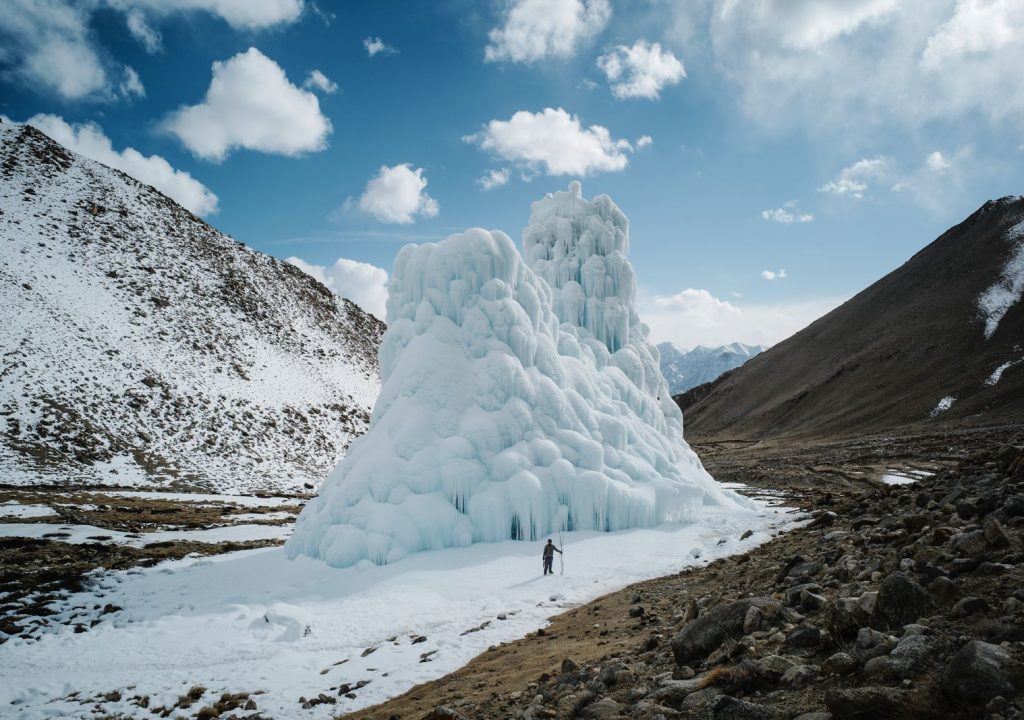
{"points": [[561, 555]]}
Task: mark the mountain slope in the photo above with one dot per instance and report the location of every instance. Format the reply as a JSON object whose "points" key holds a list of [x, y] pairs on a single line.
{"points": [[141, 345], [939, 340], [687, 369]]}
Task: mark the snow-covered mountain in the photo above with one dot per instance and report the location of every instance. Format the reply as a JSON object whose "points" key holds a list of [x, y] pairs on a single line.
{"points": [[140, 345], [685, 369]]}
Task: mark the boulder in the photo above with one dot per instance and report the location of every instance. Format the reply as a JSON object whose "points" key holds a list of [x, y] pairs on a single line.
{"points": [[906, 659], [944, 591], [979, 672], [840, 663], [603, 708], [994, 533], [725, 707], [900, 602], [868, 703], [711, 629]]}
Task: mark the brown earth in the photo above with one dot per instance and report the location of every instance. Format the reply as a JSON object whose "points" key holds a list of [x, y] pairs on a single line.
{"points": [[613, 658]]}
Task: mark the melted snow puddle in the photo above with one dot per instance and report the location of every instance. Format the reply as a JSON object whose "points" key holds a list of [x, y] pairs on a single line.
{"points": [[904, 477], [254, 620]]}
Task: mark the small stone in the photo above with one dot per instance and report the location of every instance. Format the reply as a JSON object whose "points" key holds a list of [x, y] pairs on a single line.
{"points": [[800, 676], [969, 606], [725, 707], [751, 620], [900, 601], [867, 703], [805, 637], [944, 590], [746, 534]]}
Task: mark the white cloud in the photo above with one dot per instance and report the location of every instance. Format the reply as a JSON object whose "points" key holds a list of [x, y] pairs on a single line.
{"points": [[397, 195], [536, 29], [318, 81], [853, 180], [376, 46], [251, 104], [553, 140], [640, 71], [977, 27], [90, 141], [494, 179], [49, 46], [856, 68], [239, 14], [695, 317], [772, 275], [131, 85], [787, 214], [644, 141], [937, 163], [364, 284]]}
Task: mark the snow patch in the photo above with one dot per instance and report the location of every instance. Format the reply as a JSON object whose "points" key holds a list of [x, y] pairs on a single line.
{"points": [[997, 374], [13, 509], [943, 405], [517, 400], [997, 300]]}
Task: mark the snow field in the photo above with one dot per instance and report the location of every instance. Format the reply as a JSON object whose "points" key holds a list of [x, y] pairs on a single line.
{"points": [[254, 620]]}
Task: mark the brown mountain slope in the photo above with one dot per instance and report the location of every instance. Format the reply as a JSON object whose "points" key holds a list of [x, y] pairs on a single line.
{"points": [[887, 357]]}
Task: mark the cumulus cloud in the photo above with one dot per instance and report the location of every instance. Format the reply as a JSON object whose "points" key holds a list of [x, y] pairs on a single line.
{"points": [[787, 214], [853, 180], [251, 104], [318, 81], [494, 179], [936, 162], [364, 284], [773, 275], [397, 195], [376, 46], [696, 317], [89, 140], [48, 44], [640, 71], [860, 66], [644, 141], [553, 141], [536, 29]]}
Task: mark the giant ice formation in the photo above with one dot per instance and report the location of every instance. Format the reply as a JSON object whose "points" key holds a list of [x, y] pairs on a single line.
{"points": [[519, 398]]}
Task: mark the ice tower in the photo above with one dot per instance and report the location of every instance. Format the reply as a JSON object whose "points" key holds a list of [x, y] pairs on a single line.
{"points": [[519, 397]]}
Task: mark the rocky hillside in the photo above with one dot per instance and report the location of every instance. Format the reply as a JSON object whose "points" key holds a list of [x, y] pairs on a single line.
{"points": [[685, 369], [142, 346], [940, 340]]}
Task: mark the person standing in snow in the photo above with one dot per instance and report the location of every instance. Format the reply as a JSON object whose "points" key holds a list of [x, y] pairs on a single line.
{"points": [[549, 556]]}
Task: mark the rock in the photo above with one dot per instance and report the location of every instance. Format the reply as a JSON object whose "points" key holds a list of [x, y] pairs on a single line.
{"points": [[812, 602], [840, 664], [708, 631], [751, 620], [701, 698], [906, 659], [1014, 506], [979, 672], [804, 637], [814, 716], [443, 713], [773, 666], [725, 707], [994, 533], [867, 602], [944, 590], [970, 544], [900, 602], [603, 708], [675, 692], [800, 676], [844, 617], [746, 534], [969, 606], [868, 703]]}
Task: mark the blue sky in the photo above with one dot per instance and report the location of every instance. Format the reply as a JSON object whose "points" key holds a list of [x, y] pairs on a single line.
{"points": [[774, 157]]}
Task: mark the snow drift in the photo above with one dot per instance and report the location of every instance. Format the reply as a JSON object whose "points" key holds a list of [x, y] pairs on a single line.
{"points": [[517, 400]]}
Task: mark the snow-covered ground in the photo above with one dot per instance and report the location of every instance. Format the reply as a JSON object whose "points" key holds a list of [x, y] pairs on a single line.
{"points": [[77, 534], [255, 621]]}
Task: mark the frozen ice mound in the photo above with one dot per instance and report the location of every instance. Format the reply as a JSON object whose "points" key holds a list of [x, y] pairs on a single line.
{"points": [[518, 399]]}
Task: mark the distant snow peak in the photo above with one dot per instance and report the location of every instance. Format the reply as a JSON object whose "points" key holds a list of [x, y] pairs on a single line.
{"points": [[520, 396], [996, 301], [688, 369]]}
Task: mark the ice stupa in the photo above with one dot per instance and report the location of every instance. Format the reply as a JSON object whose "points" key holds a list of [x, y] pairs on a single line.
{"points": [[519, 397]]}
